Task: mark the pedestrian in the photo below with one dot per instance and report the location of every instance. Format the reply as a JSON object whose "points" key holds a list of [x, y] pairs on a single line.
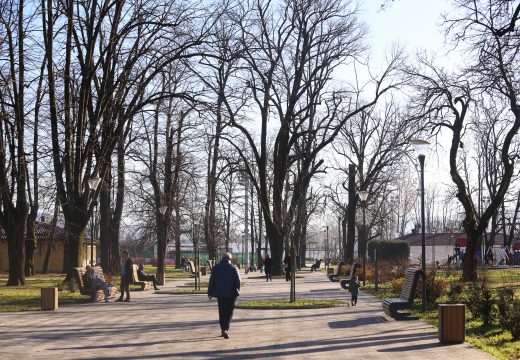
{"points": [[268, 267], [126, 272], [353, 287], [287, 267], [224, 284], [142, 276]]}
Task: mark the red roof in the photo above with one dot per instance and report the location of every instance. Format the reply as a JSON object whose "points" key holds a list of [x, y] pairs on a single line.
{"points": [[461, 241]]}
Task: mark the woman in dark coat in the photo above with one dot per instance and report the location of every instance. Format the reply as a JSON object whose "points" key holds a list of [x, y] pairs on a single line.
{"points": [[268, 267]]}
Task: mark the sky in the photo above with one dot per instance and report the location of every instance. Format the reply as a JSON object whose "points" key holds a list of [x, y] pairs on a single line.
{"points": [[416, 25]]}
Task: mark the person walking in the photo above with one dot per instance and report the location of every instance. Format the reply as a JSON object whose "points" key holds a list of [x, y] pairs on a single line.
{"points": [[287, 267], [353, 287], [126, 272], [224, 284], [268, 268]]}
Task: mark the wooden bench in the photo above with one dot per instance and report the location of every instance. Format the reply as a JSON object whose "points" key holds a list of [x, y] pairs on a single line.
{"points": [[345, 282], [191, 266], [335, 277], [145, 285], [95, 295], [316, 266], [392, 306], [210, 263]]}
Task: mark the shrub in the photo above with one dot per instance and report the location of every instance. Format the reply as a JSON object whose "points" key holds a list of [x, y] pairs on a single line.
{"points": [[455, 292], [509, 315], [397, 285], [435, 288], [480, 301], [391, 269]]}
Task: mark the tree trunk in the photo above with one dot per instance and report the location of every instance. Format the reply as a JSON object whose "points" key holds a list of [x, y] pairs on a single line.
{"points": [[16, 249], [75, 238], [276, 244], [351, 214]]}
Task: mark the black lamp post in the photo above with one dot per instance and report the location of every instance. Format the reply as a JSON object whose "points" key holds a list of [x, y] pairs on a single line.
{"points": [[421, 148], [363, 195], [93, 184]]}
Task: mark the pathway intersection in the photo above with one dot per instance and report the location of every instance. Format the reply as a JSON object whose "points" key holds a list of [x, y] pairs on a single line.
{"points": [[185, 326]]}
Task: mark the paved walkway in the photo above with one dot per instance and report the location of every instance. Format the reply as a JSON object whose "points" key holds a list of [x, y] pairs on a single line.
{"points": [[185, 326]]}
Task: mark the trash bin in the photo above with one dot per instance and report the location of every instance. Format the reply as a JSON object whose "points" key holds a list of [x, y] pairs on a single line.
{"points": [[331, 271], [203, 270], [452, 323], [49, 298]]}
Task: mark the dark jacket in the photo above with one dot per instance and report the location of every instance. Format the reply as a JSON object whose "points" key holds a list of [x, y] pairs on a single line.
{"points": [[287, 261], [353, 286], [224, 281], [142, 276], [268, 265], [129, 270]]}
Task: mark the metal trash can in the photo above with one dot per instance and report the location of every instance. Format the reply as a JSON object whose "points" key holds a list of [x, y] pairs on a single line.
{"points": [[160, 278], [452, 323], [331, 271], [203, 270], [49, 298]]}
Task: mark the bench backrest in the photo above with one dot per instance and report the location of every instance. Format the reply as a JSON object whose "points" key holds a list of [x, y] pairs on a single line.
{"points": [[134, 273], [409, 288], [210, 264], [341, 263], [192, 266], [79, 272]]}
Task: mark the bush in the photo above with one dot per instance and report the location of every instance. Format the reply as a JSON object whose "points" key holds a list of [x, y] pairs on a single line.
{"points": [[435, 288], [480, 301], [397, 285], [391, 269], [69, 285], [508, 313], [455, 292]]}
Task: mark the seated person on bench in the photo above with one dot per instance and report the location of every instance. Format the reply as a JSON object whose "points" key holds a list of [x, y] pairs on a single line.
{"points": [[92, 281], [142, 276], [316, 265]]}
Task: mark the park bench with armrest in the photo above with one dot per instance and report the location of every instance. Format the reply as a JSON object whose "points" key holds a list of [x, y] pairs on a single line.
{"points": [[95, 295], [145, 285], [191, 266], [316, 265], [392, 306], [345, 282], [335, 277]]}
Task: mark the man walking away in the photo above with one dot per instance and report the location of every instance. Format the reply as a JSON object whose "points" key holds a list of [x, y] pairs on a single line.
{"points": [[224, 284]]}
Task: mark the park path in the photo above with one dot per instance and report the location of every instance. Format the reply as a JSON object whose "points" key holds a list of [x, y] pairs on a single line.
{"points": [[185, 326]]}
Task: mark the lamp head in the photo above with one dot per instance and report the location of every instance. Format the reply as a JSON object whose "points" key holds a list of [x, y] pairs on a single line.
{"points": [[162, 209], [93, 183], [363, 195], [420, 146]]}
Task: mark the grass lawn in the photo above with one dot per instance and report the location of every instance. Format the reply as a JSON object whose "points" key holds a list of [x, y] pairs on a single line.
{"points": [[285, 304], [27, 297], [170, 272], [493, 339]]}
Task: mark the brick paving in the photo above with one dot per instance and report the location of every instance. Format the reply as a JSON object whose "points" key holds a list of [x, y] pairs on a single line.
{"points": [[185, 326]]}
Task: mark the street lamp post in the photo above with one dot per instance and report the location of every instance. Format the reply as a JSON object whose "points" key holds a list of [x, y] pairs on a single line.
{"points": [[363, 195], [421, 148], [93, 184]]}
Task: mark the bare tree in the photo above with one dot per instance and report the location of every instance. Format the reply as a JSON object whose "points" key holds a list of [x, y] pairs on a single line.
{"points": [[105, 56], [291, 53]]}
